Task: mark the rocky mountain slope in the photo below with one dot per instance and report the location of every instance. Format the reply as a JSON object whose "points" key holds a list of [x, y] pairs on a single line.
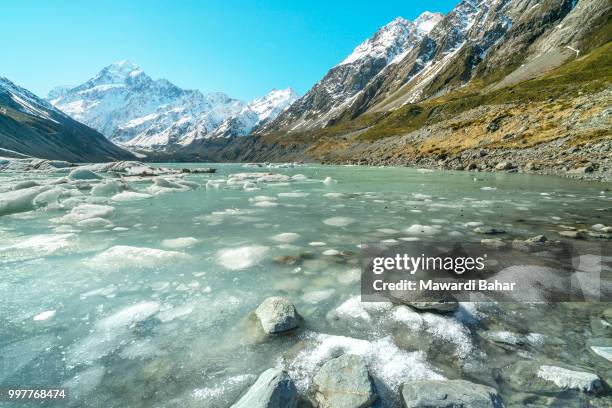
{"points": [[512, 85], [31, 126], [335, 92], [130, 108]]}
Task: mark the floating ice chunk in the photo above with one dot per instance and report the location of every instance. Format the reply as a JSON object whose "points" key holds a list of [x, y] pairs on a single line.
{"points": [[129, 257], [286, 237], [262, 198], [241, 257], [421, 197], [111, 332], [176, 243], [85, 211], [108, 188], [175, 313], [328, 180], [418, 229], [387, 231], [42, 245], [83, 174], [46, 198], [317, 296], [338, 221], [266, 204], [334, 195], [295, 194], [17, 201], [44, 315], [128, 316], [25, 184], [167, 183], [94, 223], [130, 196]]}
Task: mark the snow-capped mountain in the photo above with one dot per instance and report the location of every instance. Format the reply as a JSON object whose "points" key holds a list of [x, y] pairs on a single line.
{"points": [[343, 82], [131, 108], [30, 125]]}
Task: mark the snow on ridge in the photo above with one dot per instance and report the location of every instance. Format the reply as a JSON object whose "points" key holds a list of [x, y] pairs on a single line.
{"points": [[395, 38], [132, 109]]}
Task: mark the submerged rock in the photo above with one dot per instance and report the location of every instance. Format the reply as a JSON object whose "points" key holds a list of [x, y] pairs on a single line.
{"points": [[277, 315], [445, 304], [449, 394], [570, 379], [532, 376], [273, 389], [344, 382]]}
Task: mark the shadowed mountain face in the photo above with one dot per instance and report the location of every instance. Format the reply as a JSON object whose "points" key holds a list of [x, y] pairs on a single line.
{"points": [[31, 126]]}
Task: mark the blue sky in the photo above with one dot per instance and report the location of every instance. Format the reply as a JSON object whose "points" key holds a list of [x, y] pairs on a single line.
{"points": [[241, 48]]}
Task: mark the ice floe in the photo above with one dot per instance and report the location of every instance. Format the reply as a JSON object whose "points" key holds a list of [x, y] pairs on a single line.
{"points": [[338, 221], [130, 257], [241, 257], [177, 243], [130, 196]]}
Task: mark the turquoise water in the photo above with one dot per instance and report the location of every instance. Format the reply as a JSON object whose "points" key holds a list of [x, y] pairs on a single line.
{"points": [[146, 299]]}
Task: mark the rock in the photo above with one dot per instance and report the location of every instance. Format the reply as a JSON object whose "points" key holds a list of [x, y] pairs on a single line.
{"points": [[344, 382], [537, 238], [445, 303], [449, 394], [530, 245], [503, 166], [277, 315], [493, 242], [489, 230], [572, 234], [532, 376], [273, 389], [531, 166], [569, 379], [442, 306]]}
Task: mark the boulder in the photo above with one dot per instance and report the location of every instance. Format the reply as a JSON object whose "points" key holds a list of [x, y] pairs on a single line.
{"points": [[449, 394], [503, 166], [344, 382], [273, 389], [277, 315]]}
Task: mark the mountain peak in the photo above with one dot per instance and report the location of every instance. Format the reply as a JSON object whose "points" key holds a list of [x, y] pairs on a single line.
{"points": [[394, 38], [427, 21]]}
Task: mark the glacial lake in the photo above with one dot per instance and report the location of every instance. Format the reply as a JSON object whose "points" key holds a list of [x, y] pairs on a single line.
{"points": [[135, 293]]}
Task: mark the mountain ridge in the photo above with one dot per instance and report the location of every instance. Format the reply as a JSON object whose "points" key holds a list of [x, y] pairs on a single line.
{"points": [[130, 108], [31, 126]]}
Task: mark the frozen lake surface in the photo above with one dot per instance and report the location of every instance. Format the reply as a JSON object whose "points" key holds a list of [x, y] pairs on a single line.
{"points": [[137, 291]]}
